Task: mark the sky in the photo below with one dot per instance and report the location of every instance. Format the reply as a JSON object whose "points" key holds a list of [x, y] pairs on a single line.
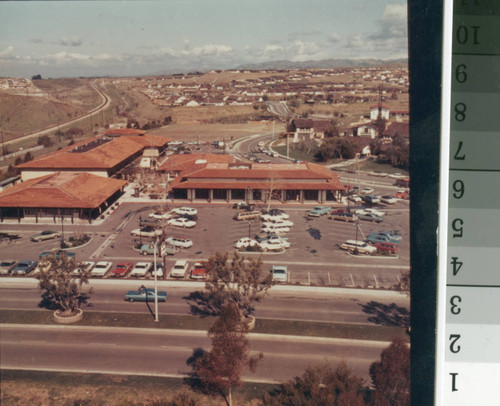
{"points": [[132, 38]]}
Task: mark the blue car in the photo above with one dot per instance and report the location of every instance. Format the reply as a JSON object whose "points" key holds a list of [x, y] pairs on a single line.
{"points": [[394, 236], [319, 211], [145, 295], [56, 253], [376, 238]]}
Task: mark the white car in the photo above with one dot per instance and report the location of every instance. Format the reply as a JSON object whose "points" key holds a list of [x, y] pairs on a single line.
{"points": [[285, 223], [366, 191], [86, 266], [355, 198], [101, 268], [181, 222], [181, 242], [275, 238], [397, 175], [371, 211], [279, 273], [161, 216], [159, 270], [179, 269], [387, 199], [243, 243], [141, 268], [274, 214], [147, 231], [185, 210], [274, 245], [275, 229], [361, 246]]}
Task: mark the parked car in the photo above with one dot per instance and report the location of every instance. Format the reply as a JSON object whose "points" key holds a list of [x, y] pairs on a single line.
{"points": [[370, 217], [159, 215], [359, 246], [85, 266], [355, 198], [387, 199], [181, 242], [6, 266], [371, 199], [158, 271], [244, 243], [179, 269], [401, 194], [181, 222], [274, 245], [279, 273], [393, 236], [318, 211], [147, 231], [24, 267], [161, 250], [122, 269], [45, 235], [387, 247], [145, 295], [372, 211], [277, 223], [185, 210], [141, 269], [101, 268], [274, 214], [343, 216], [244, 206], [366, 191], [247, 215], [199, 270], [374, 238], [275, 229], [272, 237]]}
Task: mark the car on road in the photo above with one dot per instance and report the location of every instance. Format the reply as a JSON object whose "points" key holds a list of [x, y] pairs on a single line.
{"points": [[179, 269], [245, 242], [275, 229], [185, 210], [159, 215], [274, 245], [6, 266], [145, 295], [401, 194], [147, 231], [199, 270], [24, 267], [181, 242], [278, 223], [359, 246], [366, 191], [141, 268], [122, 269], [387, 199], [318, 211], [397, 175], [371, 199], [45, 235], [101, 268], [181, 222], [343, 215], [279, 273], [370, 217], [386, 247]]}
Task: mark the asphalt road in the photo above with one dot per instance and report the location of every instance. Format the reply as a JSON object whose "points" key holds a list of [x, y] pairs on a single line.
{"points": [[164, 353]]}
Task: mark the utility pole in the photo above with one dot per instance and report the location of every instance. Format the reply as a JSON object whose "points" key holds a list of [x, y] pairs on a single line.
{"points": [[156, 280]]}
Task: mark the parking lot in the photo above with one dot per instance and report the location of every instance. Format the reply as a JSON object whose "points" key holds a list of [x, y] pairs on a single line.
{"points": [[313, 258]]}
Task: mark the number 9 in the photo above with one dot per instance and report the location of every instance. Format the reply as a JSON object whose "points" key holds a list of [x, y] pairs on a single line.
{"points": [[458, 189]]}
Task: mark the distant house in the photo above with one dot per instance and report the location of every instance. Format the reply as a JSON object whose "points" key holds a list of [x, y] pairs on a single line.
{"points": [[381, 109], [308, 129], [397, 128]]}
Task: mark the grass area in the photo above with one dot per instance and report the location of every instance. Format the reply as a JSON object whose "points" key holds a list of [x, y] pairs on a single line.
{"points": [[370, 165], [187, 322], [294, 154], [20, 388]]}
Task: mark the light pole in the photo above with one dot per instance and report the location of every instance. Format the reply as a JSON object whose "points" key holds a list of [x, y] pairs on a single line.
{"points": [[62, 231], [156, 280]]}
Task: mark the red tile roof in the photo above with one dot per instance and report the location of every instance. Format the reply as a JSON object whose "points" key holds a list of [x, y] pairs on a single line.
{"points": [[104, 155], [61, 190], [191, 162]]}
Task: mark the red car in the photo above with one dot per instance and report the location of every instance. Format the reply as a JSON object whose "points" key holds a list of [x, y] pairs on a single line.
{"points": [[199, 270], [387, 247], [122, 269]]}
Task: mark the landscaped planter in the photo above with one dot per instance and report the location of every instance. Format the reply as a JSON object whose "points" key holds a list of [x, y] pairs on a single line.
{"points": [[250, 322], [63, 318]]}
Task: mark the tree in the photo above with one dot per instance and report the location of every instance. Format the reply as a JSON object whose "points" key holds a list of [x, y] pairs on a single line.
{"points": [[45, 141], [220, 369], [320, 385], [27, 157], [391, 375], [238, 281], [403, 285], [62, 288]]}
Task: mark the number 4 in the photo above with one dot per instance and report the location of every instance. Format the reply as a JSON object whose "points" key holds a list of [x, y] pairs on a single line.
{"points": [[456, 265]]}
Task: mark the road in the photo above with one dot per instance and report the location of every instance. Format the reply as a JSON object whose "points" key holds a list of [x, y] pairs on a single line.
{"points": [[164, 353], [287, 303], [105, 102]]}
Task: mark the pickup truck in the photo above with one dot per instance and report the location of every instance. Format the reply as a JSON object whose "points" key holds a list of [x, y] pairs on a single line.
{"points": [[162, 250]]}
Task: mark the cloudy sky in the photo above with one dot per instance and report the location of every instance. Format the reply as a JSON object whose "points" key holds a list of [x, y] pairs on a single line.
{"points": [[89, 38]]}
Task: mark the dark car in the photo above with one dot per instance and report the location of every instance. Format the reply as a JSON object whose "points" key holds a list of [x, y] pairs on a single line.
{"points": [[145, 295], [24, 267], [343, 215]]}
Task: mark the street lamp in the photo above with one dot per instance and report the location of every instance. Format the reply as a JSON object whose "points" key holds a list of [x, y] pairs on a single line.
{"points": [[249, 224], [156, 280], [62, 231]]}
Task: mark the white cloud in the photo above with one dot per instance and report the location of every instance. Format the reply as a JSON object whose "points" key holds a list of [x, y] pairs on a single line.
{"points": [[7, 51], [69, 41], [211, 50], [333, 37]]}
